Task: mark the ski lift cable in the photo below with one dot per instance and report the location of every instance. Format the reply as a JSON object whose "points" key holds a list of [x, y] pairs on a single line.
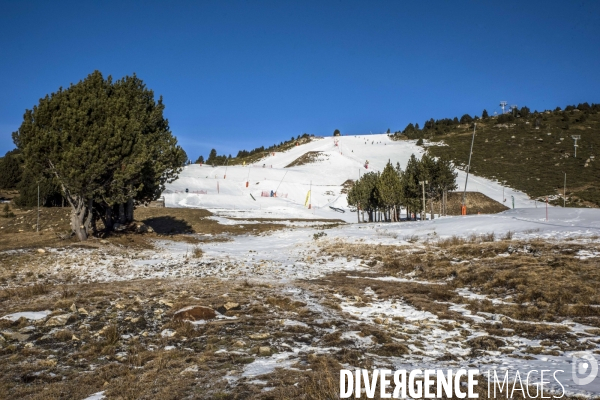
{"points": [[281, 181]]}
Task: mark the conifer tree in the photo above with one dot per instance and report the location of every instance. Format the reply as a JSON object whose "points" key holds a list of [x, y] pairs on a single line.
{"points": [[104, 143], [364, 194], [212, 156], [389, 189], [410, 185], [10, 170]]}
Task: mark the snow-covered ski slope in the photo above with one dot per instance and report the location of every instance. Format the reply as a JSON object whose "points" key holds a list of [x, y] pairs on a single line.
{"points": [[223, 190]]}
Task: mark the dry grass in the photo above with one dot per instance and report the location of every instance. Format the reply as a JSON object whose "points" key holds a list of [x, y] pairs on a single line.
{"points": [[176, 222], [477, 203], [25, 291], [285, 303], [546, 276], [307, 158], [553, 283], [111, 335], [197, 252], [63, 335], [121, 336], [20, 231]]}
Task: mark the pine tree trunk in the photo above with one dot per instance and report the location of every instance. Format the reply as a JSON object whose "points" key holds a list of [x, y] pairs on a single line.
{"points": [[108, 219], [78, 213], [445, 202], [88, 220], [122, 219], [129, 210], [93, 226], [431, 206]]}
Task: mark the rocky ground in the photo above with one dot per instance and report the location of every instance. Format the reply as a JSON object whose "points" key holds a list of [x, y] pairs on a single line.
{"points": [[275, 310]]}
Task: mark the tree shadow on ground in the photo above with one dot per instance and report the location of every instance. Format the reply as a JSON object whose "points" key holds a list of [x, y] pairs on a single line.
{"points": [[168, 225]]}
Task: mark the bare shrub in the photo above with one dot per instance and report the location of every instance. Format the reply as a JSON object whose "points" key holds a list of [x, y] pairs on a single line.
{"points": [[285, 303], [488, 237], [454, 240], [411, 238], [111, 335], [197, 252], [63, 335], [66, 292]]}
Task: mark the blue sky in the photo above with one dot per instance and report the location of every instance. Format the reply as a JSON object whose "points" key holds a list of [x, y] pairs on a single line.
{"points": [[241, 74]]}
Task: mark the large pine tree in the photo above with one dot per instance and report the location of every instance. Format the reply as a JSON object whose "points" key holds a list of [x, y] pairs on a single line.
{"points": [[104, 143]]}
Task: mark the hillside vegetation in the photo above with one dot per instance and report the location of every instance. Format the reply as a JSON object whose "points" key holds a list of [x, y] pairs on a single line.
{"points": [[530, 152], [252, 156]]}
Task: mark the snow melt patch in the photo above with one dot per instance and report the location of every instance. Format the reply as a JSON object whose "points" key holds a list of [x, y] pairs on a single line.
{"points": [[385, 309], [262, 366], [30, 315], [96, 396]]}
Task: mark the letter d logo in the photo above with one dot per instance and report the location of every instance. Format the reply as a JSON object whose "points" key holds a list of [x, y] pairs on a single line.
{"points": [[584, 363]]}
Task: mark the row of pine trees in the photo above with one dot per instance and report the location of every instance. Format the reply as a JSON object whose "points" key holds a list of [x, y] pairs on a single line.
{"points": [[379, 196]]}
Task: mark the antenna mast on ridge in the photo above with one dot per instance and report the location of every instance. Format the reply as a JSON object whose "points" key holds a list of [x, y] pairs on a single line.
{"points": [[503, 105]]}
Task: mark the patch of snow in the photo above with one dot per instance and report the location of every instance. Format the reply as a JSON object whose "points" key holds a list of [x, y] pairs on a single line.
{"points": [[30, 315], [96, 396]]}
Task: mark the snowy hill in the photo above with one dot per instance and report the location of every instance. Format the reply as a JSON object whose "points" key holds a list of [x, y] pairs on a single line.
{"points": [[223, 189]]}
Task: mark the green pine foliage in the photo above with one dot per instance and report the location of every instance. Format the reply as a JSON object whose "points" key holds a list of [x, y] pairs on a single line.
{"points": [[104, 143], [214, 159], [392, 189], [49, 190], [6, 212], [11, 169], [14, 176]]}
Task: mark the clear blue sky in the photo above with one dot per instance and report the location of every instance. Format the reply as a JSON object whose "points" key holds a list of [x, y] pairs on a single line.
{"points": [[237, 75]]}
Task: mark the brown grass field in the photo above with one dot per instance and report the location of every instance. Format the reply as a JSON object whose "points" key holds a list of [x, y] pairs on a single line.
{"points": [[122, 336]]}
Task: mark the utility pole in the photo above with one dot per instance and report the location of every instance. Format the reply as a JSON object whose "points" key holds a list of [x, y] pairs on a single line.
{"points": [[423, 183], [464, 199], [565, 191], [37, 226], [358, 205], [576, 138]]}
